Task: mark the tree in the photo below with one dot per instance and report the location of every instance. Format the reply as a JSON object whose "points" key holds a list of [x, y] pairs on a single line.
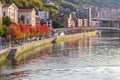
{"points": [[24, 29], [1, 28], [6, 21], [14, 32], [5, 28], [57, 25]]}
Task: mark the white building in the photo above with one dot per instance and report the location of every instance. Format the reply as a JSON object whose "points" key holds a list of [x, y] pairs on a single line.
{"points": [[0, 11], [80, 23], [43, 15], [11, 11], [27, 16], [71, 22]]}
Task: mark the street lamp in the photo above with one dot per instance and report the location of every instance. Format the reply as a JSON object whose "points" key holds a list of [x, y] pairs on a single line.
{"points": [[1, 44], [24, 38], [9, 40]]}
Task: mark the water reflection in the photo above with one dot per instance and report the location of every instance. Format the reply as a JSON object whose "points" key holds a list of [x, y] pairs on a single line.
{"points": [[90, 58]]}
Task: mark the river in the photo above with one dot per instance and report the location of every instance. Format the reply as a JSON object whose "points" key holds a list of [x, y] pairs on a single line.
{"points": [[92, 58]]}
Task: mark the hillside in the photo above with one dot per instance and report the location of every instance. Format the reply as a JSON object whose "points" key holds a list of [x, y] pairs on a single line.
{"points": [[36, 4], [62, 4], [72, 4]]}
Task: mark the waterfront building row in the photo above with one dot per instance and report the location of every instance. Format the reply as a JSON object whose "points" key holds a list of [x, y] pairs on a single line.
{"points": [[26, 16]]}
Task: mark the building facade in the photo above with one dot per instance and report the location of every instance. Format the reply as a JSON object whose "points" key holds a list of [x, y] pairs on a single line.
{"points": [[43, 15], [71, 22], [109, 13], [84, 13], [66, 17], [27, 16], [11, 11], [0, 11]]}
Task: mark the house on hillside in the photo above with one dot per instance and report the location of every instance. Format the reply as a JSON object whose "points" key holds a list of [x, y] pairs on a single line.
{"points": [[45, 15], [66, 18], [0, 11], [71, 22], [11, 11], [27, 16]]}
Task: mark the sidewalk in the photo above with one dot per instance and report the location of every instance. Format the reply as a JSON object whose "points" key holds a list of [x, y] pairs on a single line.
{"points": [[4, 50]]}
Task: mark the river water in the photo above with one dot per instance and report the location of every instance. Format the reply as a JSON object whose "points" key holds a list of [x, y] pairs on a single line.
{"points": [[93, 58]]}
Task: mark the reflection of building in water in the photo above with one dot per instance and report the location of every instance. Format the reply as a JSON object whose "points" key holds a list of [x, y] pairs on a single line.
{"points": [[86, 44], [66, 48], [62, 44], [72, 44], [73, 47], [35, 54]]}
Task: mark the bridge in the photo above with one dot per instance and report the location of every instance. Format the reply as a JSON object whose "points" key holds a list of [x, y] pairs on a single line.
{"points": [[105, 19], [65, 30], [106, 22], [108, 28]]}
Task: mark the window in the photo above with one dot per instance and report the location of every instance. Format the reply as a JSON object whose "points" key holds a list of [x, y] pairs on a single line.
{"points": [[23, 18], [27, 21], [4, 13]]}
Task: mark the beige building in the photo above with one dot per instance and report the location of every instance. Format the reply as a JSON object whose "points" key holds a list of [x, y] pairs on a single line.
{"points": [[85, 22], [0, 11], [80, 22], [11, 11], [66, 18], [27, 16], [71, 22]]}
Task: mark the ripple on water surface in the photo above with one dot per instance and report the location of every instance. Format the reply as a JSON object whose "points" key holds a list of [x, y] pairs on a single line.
{"points": [[95, 58]]}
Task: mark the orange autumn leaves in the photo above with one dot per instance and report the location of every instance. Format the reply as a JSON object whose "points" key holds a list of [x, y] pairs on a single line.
{"points": [[19, 31], [14, 32]]}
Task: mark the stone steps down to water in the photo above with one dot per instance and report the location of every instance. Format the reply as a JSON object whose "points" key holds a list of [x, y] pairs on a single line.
{"points": [[12, 54]]}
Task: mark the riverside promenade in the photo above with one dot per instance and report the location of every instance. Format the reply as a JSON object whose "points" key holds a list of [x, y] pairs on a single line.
{"points": [[31, 46], [26, 47]]}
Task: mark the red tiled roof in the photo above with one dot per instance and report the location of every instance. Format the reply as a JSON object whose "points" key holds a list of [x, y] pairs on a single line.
{"points": [[6, 5], [25, 10]]}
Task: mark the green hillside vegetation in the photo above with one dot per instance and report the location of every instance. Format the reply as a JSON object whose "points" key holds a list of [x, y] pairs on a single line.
{"points": [[62, 4], [36, 4], [72, 4]]}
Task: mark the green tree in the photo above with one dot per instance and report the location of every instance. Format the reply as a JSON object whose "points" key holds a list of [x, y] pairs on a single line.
{"points": [[5, 28], [1, 28], [57, 25], [6, 21]]}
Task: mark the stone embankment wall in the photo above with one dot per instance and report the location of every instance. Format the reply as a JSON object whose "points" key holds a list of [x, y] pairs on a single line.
{"points": [[75, 36], [33, 45], [27, 47]]}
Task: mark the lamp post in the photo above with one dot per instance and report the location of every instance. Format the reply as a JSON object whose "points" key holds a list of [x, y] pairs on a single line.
{"points": [[24, 38], [1, 44], [9, 40]]}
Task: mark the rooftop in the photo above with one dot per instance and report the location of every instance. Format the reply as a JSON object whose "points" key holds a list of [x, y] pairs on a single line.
{"points": [[25, 10], [6, 5]]}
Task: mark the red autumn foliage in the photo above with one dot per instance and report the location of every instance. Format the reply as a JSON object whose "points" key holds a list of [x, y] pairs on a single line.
{"points": [[19, 31], [14, 32]]}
